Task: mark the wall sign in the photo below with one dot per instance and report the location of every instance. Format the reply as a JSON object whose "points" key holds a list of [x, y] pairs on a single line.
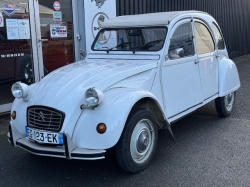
{"points": [[96, 22], [12, 29], [56, 5], [58, 31], [24, 28], [12, 55], [9, 9], [99, 3], [96, 12], [57, 16]]}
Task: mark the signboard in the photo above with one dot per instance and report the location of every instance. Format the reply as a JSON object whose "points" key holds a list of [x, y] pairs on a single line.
{"points": [[56, 5], [9, 9], [58, 31], [96, 12], [57, 16], [24, 29], [12, 29]]}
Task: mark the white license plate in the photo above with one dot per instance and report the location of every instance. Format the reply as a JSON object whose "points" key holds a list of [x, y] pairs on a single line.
{"points": [[44, 136]]}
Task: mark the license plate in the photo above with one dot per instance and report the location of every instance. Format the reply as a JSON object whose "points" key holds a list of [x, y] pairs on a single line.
{"points": [[44, 136]]}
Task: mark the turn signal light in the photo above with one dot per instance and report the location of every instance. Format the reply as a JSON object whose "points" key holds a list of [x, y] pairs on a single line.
{"points": [[101, 128], [13, 115]]}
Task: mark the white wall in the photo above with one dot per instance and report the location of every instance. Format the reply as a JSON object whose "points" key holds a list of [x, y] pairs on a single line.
{"points": [[92, 13]]}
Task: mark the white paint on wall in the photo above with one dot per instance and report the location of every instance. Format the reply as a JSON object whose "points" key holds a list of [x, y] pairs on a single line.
{"points": [[97, 11]]}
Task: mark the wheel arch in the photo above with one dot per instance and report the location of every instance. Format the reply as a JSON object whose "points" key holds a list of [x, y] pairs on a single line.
{"points": [[229, 80], [153, 107], [113, 111]]}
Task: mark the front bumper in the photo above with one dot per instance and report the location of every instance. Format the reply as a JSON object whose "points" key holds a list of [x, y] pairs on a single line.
{"points": [[69, 150]]}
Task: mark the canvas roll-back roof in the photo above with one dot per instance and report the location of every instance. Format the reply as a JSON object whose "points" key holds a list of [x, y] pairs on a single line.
{"points": [[140, 20]]}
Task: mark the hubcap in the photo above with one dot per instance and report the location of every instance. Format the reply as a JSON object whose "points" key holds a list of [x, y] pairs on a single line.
{"points": [[229, 101], [142, 141]]}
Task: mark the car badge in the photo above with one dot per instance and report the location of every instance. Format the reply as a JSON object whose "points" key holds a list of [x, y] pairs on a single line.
{"points": [[9, 9], [41, 115], [99, 3]]}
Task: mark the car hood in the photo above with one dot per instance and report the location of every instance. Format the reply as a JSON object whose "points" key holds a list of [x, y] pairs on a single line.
{"points": [[69, 83]]}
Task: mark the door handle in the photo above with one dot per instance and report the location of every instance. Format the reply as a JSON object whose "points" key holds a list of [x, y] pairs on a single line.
{"points": [[43, 40], [196, 61]]}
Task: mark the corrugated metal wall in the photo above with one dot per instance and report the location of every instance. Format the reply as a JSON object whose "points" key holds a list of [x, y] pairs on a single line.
{"points": [[233, 17]]}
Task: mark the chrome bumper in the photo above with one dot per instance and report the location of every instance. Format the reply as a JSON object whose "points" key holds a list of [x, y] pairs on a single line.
{"points": [[69, 150]]}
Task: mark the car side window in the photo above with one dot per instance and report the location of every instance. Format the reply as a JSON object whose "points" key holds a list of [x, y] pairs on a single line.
{"points": [[181, 42], [219, 39], [204, 40], [4, 43]]}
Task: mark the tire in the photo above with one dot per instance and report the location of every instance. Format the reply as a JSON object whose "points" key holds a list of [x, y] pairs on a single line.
{"points": [[224, 105], [137, 145]]}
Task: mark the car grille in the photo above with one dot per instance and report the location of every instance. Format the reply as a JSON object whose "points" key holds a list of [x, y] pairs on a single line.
{"points": [[45, 118]]}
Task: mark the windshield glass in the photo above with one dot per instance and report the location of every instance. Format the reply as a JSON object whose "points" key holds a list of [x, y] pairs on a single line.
{"points": [[130, 39]]}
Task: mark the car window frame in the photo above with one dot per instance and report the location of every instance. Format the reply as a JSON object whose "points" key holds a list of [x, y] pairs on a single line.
{"points": [[206, 25], [143, 39], [174, 28], [217, 26]]}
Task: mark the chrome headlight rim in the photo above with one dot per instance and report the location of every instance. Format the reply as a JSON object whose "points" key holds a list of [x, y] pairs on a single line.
{"points": [[93, 97], [19, 90]]}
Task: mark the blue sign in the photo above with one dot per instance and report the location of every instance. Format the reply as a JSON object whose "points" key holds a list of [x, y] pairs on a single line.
{"points": [[9, 9]]}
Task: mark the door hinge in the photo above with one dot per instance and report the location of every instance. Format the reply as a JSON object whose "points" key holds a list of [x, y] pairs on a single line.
{"points": [[78, 36], [82, 52]]}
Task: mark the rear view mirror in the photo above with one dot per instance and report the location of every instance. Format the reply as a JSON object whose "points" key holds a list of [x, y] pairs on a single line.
{"points": [[133, 33]]}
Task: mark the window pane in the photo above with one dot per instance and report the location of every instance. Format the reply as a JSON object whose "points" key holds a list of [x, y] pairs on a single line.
{"points": [[130, 39], [204, 39], [219, 40], [4, 43], [181, 43]]}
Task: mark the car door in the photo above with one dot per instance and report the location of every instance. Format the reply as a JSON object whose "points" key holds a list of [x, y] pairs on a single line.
{"points": [[180, 72], [208, 63]]}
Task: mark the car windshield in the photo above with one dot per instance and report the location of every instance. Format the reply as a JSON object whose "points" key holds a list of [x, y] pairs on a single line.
{"points": [[130, 39]]}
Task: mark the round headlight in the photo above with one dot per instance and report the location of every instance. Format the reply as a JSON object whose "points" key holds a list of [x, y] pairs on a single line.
{"points": [[20, 90], [93, 97]]}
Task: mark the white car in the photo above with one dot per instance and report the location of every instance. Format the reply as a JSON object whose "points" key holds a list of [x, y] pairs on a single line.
{"points": [[143, 73]]}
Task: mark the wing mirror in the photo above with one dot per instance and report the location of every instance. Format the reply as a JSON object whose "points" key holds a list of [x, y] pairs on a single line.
{"points": [[176, 53]]}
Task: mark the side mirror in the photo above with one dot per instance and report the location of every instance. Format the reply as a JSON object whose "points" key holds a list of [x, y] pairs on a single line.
{"points": [[221, 44], [176, 53]]}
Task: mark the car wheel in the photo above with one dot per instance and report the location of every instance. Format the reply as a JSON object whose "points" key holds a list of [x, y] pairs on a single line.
{"points": [[28, 73], [138, 142], [224, 105]]}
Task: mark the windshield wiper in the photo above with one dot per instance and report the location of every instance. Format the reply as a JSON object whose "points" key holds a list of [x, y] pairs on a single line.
{"points": [[125, 43], [149, 44]]}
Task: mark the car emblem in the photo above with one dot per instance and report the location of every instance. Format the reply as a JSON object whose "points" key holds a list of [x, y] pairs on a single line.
{"points": [[99, 3], [41, 115]]}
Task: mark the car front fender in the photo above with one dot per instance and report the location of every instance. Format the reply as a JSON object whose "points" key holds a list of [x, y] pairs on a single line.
{"points": [[113, 112], [229, 80]]}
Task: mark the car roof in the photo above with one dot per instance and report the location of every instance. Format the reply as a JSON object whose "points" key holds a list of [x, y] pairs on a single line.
{"points": [[141, 20]]}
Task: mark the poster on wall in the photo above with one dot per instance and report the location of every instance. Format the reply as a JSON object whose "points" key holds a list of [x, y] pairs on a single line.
{"points": [[1, 20], [96, 12], [24, 29], [57, 16], [58, 31], [12, 29]]}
